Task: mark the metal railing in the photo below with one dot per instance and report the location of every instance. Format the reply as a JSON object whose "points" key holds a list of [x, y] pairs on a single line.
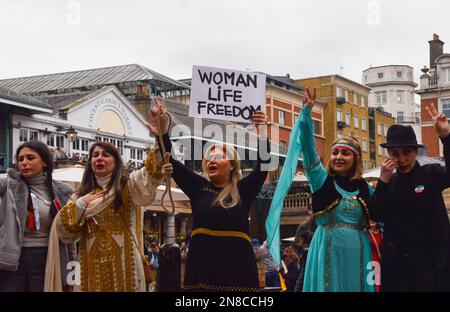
{"points": [[408, 120], [300, 203]]}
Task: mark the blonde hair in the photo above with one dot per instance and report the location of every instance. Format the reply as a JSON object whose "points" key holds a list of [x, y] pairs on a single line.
{"points": [[357, 168], [230, 191]]}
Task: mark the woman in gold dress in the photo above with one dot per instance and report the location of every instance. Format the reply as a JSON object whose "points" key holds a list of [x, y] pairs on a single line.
{"points": [[105, 216]]}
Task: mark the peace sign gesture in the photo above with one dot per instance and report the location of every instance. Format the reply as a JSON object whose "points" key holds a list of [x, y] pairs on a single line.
{"points": [[310, 100], [439, 120]]}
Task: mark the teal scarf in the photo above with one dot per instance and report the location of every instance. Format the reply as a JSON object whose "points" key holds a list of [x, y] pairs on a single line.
{"points": [[284, 183]]}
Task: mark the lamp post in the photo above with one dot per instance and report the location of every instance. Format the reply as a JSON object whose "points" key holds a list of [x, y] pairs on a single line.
{"points": [[72, 136]]}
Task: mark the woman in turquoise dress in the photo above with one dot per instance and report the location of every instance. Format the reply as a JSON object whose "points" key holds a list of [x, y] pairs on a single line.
{"points": [[340, 257]]}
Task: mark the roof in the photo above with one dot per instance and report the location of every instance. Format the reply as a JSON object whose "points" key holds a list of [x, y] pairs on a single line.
{"points": [[10, 97], [374, 67], [339, 76], [441, 57], [287, 81], [58, 101], [91, 77]]}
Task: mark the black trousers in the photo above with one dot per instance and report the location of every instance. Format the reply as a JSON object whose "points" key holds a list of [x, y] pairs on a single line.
{"points": [[31, 273], [407, 273]]}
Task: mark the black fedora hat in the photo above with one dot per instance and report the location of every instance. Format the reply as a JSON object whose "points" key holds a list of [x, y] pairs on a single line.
{"points": [[401, 136]]}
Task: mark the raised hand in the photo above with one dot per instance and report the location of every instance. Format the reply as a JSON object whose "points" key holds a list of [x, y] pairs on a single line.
{"points": [[310, 100], [158, 113], [387, 170], [439, 120]]}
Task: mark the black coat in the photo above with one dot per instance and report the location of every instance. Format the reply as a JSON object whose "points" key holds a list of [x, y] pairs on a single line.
{"points": [[414, 213]]}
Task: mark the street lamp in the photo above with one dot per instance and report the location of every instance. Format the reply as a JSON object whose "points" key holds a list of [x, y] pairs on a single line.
{"points": [[72, 136]]}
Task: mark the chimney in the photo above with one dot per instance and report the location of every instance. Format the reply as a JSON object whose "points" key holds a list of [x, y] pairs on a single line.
{"points": [[142, 100], [436, 49]]}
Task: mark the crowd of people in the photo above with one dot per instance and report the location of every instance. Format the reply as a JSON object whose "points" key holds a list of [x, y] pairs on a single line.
{"points": [[60, 153], [394, 237]]}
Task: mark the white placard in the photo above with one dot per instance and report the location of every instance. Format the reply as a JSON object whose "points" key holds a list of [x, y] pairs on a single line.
{"points": [[226, 94]]}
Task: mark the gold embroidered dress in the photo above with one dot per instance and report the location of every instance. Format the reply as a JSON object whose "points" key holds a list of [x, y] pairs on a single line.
{"points": [[108, 255]]}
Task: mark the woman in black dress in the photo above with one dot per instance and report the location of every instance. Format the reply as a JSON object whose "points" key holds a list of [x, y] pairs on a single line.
{"points": [[220, 254]]}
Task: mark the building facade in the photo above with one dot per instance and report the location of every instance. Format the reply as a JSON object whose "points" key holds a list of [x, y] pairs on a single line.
{"points": [[392, 87], [393, 90], [345, 111], [379, 123], [103, 115], [99, 104], [434, 88], [284, 99]]}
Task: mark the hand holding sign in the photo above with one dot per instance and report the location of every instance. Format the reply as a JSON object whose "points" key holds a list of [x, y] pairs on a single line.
{"points": [[310, 100], [259, 118]]}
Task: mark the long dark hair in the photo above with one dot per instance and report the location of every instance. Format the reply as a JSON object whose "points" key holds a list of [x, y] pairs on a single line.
{"points": [[118, 176], [47, 158]]}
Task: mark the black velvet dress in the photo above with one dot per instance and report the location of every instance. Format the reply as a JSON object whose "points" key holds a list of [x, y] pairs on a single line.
{"points": [[216, 262]]}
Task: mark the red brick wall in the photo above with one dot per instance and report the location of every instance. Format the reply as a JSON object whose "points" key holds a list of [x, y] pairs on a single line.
{"points": [[282, 104], [268, 110], [316, 115], [430, 139], [423, 112], [321, 147]]}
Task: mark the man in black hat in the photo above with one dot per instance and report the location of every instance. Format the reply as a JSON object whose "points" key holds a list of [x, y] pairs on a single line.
{"points": [[409, 202]]}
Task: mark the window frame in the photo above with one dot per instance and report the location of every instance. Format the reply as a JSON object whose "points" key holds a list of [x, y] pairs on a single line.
{"points": [[364, 145], [338, 114], [281, 117], [400, 94], [381, 97], [363, 124], [446, 102], [446, 74]]}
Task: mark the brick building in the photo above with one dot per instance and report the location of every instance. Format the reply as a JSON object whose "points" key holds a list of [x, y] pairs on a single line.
{"points": [[434, 88]]}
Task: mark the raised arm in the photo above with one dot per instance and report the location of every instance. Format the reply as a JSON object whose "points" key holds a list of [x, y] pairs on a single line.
{"points": [[251, 185], [445, 180], [186, 179], [442, 128], [142, 183], [314, 169]]}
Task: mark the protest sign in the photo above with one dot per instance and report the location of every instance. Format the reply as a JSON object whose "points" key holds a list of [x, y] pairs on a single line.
{"points": [[226, 94]]}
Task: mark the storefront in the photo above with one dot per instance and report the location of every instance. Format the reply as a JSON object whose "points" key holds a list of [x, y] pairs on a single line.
{"points": [[14, 104]]}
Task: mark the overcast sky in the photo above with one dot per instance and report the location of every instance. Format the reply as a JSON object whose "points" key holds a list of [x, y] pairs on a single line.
{"points": [[301, 37]]}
